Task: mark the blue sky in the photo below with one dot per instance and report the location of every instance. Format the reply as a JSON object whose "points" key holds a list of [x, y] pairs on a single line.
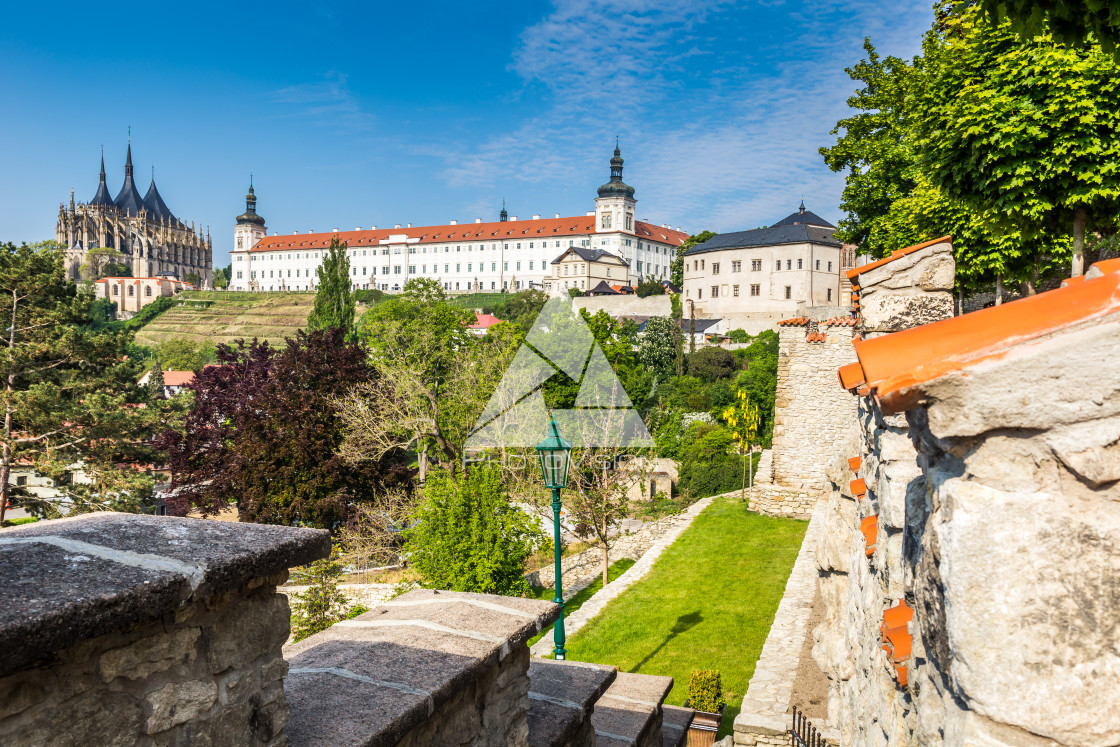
{"points": [[380, 113]]}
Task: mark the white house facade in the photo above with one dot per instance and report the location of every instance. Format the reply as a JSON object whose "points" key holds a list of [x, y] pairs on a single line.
{"points": [[776, 270], [508, 254]]}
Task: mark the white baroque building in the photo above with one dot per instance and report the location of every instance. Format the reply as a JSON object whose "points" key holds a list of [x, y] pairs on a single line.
{"points": [[509, 254]]}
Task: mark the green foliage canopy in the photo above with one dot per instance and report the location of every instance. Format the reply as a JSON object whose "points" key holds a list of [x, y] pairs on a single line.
{"points": [[334, 299]]}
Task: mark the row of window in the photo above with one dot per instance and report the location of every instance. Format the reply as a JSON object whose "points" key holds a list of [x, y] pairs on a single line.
{"points": [[756, 265], [278, 256], [132, 290], [756, 290]]}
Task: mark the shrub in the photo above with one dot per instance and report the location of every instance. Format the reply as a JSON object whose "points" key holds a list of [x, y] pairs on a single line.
{"points": [[705, 692], [711, 364], [575, 292], [467, 536], [649, 287], [323, 604]]}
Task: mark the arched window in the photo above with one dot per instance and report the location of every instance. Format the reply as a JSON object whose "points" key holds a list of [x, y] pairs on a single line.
{"points": [[116, 290], [148, 291], [131, 290]]}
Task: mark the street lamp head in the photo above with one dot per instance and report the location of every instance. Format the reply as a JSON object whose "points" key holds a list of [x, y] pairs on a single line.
{"points": [[554, 451]]}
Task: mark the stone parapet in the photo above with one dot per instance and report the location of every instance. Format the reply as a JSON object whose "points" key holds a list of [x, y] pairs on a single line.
{"points": [[123, 629], [765, 715], [775, 500], [427, 668]]}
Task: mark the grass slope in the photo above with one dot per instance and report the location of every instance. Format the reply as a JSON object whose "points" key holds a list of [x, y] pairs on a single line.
{"points": [[707, 603], [614, 570]]}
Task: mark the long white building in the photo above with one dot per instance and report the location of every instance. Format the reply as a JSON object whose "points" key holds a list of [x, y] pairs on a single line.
{"points": [[509, 254]]}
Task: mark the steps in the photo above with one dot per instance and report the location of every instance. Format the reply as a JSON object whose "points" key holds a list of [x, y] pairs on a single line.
{"points": [[629, 712], [562, 695], [572, 704], [674, 725]]}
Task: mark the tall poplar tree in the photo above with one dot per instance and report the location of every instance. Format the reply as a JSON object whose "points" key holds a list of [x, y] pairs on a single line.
{"points": [[334, 297]]}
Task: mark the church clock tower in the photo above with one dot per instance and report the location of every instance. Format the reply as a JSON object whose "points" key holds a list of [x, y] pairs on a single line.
{"points": [[250, 227]]}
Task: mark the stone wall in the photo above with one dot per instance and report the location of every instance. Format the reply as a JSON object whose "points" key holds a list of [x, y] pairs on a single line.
{"points": [[627, 305], [588, 565], [367, 595], [765, 715], [118, 629], [809, 415]]}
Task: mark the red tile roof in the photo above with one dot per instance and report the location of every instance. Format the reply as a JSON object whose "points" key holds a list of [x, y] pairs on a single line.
{"points": [[894, 367], [543, 228], [856, 271], [797, 321], [840, 321], [484, 321]]}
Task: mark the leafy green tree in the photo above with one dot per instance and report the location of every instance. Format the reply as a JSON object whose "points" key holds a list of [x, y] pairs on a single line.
{"points": [[649, 287], [69, 391], [117, 270], [743, 421], [334, 298], [98, 260], [467, 536], [102, 312], [1026, 129], [156, 382], [657, 349], [1076, 23], [184, 354], [712, 363], [221, 280], [322, 604], [194, 279]]}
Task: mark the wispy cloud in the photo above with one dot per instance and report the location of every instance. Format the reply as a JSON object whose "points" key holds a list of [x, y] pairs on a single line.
{"points": [[721, 123], [326, 102]]}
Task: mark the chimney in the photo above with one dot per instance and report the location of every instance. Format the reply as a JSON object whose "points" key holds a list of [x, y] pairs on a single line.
{"points": [[536, 217], [357, 228], [454, 223], [513, 217], [396, 225], [373, 228], [409, 225], [590, 213], [334, 230], [295, 233], [558, 215], [478, 220]]}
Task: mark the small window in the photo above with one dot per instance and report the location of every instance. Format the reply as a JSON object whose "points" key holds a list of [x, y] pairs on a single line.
{"points": [[756, 265], [715, 268], [131, 291], [715, 291], [789, 264], [735, 291], [829, 294], [754, 290], [818, 267], [777, 264], [699, 293], [789, 292], [799, 263], [21, 480], [117, 288], [148, 291], [830, 267]]}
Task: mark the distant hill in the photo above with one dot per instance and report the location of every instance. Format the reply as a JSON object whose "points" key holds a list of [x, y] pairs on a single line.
{"points": [[223, 317]]}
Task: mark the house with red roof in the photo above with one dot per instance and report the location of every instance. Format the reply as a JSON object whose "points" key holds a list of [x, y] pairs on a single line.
{"points": [[173, 381], [482, 323], [132, 294]]}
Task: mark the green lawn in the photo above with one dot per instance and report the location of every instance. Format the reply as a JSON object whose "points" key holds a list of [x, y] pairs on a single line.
{"points": [[614, 570], [707, 603]]}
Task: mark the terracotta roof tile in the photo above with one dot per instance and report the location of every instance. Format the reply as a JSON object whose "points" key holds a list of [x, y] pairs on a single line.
{"points": [[896, 365], [854, 463], [855, 272], [858, 487], [573, 226], [869, 527], [797, 321], [839, 321]]}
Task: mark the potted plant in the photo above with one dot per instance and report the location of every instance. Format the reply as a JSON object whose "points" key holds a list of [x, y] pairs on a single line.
{"points": [[705, 696]]}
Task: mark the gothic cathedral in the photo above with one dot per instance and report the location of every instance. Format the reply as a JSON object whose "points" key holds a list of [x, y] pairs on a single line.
{"points": [[153, 241]]}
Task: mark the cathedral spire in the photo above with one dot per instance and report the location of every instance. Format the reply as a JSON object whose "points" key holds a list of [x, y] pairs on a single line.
{"points": [[102, 197], [129, 200]]}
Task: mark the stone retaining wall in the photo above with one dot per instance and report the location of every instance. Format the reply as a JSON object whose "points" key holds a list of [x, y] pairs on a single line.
{"points": [[117, 629], [367, 595], [764, 718], [582, 569]]}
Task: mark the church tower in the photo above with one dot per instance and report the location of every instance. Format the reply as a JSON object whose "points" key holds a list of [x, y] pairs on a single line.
{"points": [[250, 227], [614, 207]]}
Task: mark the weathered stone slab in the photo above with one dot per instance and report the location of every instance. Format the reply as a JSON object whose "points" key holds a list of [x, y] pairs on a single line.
{"points": [[562, 695], [80, 578], [629, 713], [375, 679], [674, 725]]}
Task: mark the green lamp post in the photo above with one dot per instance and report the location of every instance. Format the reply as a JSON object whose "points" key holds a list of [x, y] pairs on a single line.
{"points": [[554, 451]]}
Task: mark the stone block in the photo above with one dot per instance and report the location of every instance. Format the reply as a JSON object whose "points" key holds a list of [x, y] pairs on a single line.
{"points": [[150, 654], [177, 703], [254, 627]]}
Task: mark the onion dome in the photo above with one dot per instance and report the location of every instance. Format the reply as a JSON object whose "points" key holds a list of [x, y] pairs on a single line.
{"points": [[616, 187], [102, 197], [157, 208], [250, 215], [129, 200]]}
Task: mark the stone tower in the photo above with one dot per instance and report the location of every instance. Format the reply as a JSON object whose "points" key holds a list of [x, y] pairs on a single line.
{"points": [[250, 227], [614, 207]]}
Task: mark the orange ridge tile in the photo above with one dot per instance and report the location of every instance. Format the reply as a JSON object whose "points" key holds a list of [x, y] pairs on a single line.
{"points": [[853, 463], [869, 527], [858, 487]]}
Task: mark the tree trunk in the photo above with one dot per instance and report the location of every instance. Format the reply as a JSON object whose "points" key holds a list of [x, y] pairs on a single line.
{"points": [[6, 455], [423, 464], [999, 289], [960, 302], [743, 495], [1079, 219], [606, 564]]}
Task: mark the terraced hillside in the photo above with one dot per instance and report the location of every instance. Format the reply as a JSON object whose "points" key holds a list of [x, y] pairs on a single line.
{"points": [[221, 317]]}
